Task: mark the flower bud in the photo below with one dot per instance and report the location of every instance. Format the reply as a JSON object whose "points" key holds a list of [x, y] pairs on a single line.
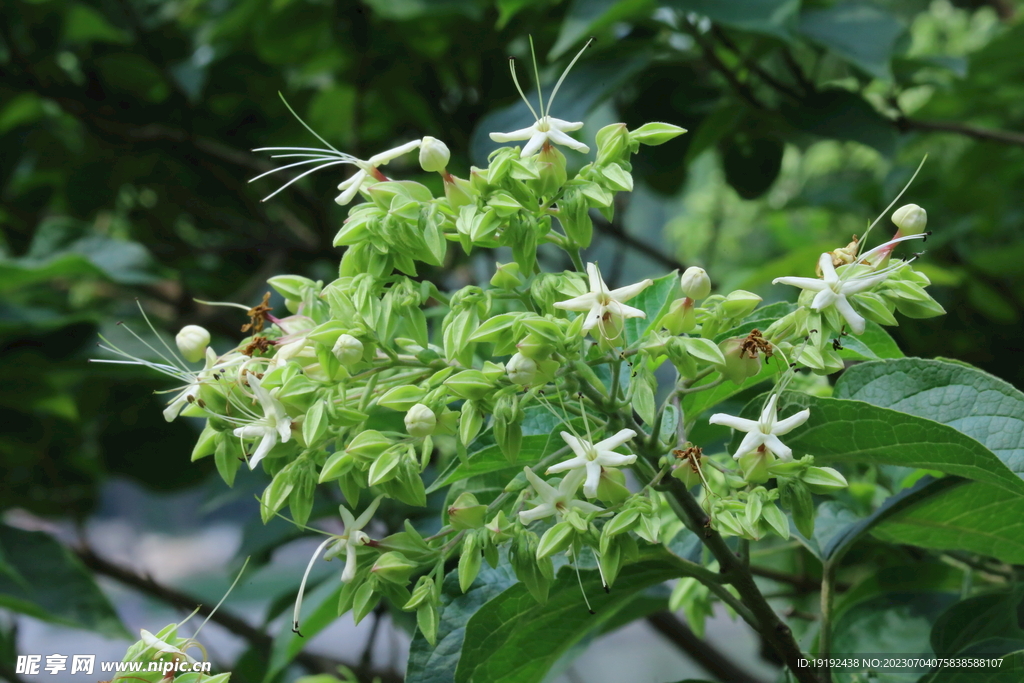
{"points": [[739, 365], [696, 283], [471, 384], [681, 317], [368, 444], [422, 594], [420, 420], [459, 192], [535, 347], [192, 341], [612, 143], [740, 303], [551, 168], [911, 219], [823, 480], [521, 370], [755, 466], [685, 473], [394, 567], [506, 276], [499, 528], [466, 512], [434, 155], [348, 350], [611, 487]]}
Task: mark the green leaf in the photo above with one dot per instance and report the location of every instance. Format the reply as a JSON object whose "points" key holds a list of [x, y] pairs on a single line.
{"points": [[45, 581], [654, 301], [978, 518], [695, 404], [975, 619], [862, 34], [770, 17], [841, 430], [586, 17], [437, 663], [514, 623], [970, 400], [874, 344]]}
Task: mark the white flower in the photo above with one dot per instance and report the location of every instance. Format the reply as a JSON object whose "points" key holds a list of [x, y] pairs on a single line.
{"points": [[546, 128], [551, 501], [605, 308], [832, 289], [323, 158], [179, 402], [765, 431], [275, 424], [348, 542], [593, 456]]}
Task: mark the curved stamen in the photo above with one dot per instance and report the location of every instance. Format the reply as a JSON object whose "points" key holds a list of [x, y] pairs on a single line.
{"points": [[303, 175], [566, 73], [515, 79], [297, 163], [302, 586]]}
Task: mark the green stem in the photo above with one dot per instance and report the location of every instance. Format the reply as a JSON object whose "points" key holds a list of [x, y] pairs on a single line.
{"points": [[577, 260]]}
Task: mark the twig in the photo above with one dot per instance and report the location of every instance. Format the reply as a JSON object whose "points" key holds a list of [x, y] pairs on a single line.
{"points": [[616, 232], [741, 88], [703, 653], [977, 132]]}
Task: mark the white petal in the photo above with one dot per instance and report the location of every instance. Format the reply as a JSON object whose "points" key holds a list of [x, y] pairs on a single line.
{"points": [[737, 423], [751, 442], [583, 506], [384, 157], [571, 483], [533, 146], [268, 442], [562, 124], [811, 283], [559, 138], [593, 479], [597, 285], [629, 291], [823, 299], [572, 463], [828, 271], [791, 422], [768, 412], [854, 319], [543, 489], [350, 564], [253, 431], [624, 311], [775, 445], [364, 519], [581, 303], [614, 441], [613, 459], [347, 519], [175, 407], [521, 134], [578, 446], [540, 512], [859, 284]]}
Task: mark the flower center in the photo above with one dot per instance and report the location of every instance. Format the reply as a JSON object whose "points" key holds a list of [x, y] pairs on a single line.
{"points": [[543, 125]]}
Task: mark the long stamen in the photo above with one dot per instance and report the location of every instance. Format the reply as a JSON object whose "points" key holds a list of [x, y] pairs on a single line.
{"points": [[302, 586], [317, 160], [566, 73], [326, 152], [150, 347], [536, 77], [303, 175], [230, 588], [576, 566], [174, 354], [305, 125], [515, 79], [906, 187], [889, 245], [222, 303]]}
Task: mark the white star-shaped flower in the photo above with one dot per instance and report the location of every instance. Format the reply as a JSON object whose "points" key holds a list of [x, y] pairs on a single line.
{"points": [[546, 128], [593, 456], [765, 431], [605, 308], [551, 501], [274, 426], [348, 542], [833, 289]]}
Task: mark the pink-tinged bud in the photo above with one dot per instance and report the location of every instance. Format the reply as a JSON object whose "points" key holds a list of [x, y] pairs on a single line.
{"points": [[911, 219]]}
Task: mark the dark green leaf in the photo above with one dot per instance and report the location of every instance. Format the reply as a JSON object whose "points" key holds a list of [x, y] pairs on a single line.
{"points": [[653, 301], [771, 17], [843, 115], [862, 34], [50, 584]]}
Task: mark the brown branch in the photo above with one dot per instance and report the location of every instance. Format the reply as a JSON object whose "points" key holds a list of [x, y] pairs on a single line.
{"points": [[741, 88], [803, 584], [698, 649], [977, 132], [260, 641]]}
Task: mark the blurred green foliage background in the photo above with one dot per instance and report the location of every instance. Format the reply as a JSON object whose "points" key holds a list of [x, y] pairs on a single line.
{"points": [[126, 125]]}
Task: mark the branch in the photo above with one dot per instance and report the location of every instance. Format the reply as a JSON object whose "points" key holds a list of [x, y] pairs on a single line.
{"points": [[616, 232], [741, 88], [698, 649], [978, 133], [803, 584], [260, 641]]}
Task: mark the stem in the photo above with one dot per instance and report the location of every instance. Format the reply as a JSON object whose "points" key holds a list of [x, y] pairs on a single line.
{"points": [[716, 663], [828, 580], [577, 260]]}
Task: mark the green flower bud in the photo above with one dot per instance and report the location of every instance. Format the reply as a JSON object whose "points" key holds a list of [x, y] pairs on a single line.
{"points": [[685, 473], [555, 539], [535, 347], [459, 192], [739, 365], [574, 215], [466, 512], [499, 528], [471, 384], [192, 341], [611, 487], [422, 594], [612, 143], [755, 466], [348, 350], [434, 155], [393, 567], [551, 170], [521, 370], [469, 562], [506, 276], [823, 480], [681, 317], [420, 421], [655, 133], [470, 423], [696, 283], [911, 219], [368, 444], [740, 303]]}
